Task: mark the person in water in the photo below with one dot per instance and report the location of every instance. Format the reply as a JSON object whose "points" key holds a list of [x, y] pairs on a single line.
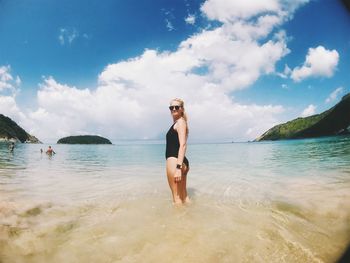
{"points": [[12, 146], [177, 165], [50, 151]]}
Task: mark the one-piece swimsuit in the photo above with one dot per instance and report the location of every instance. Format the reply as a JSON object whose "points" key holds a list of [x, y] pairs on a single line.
{"points": [[173, 145]]}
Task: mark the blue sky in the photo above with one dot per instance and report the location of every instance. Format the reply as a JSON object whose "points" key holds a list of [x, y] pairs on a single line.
{"points": [[105, 32], [111, 67]]}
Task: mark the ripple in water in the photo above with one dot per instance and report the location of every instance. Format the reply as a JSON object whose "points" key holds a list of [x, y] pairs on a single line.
{"points": [[253, 202]]}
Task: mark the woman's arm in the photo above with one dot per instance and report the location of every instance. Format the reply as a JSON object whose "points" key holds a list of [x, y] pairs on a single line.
{"points": [[181, 131]]}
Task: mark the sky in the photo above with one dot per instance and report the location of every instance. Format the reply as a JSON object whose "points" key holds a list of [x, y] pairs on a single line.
{"points": [[111, 67]]}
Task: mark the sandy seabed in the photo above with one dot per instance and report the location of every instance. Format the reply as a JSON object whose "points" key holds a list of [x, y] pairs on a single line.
{"points": [[270, 202], [151, 229]]}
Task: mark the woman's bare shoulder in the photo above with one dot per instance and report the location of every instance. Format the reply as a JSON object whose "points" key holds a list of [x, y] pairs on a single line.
{"points": [[180, 123]]}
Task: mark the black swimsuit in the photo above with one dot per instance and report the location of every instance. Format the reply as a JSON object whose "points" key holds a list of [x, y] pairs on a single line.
{"points": [[173, 144]]}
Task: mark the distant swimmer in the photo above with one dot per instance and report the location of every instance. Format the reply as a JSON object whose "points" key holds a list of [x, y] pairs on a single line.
{"points": [[50, 151], [12, 146]]}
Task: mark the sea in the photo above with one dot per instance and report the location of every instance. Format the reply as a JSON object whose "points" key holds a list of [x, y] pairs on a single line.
{"points": [[273, 201]]}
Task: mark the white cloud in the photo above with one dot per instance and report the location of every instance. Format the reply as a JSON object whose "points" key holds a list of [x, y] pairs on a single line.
{"points": [[229, 11], [169, 18], [18, 81], [190, 19], [120, 110], [67, 35], [319, 62], [131, 98], [246, 61], [8, 107], [5, 75], [286, 72], [334, 95], [9, 88], [9, 85], [5, 78], [169, 25], [308, 111]]}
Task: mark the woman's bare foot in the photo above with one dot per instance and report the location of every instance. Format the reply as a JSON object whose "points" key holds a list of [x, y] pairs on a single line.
{"points": [[177, 201], [187, 200]]}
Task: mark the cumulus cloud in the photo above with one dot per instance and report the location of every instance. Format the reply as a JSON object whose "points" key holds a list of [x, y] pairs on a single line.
{"points": [[308, 111], [8, 83], [334, 95], [131, 98], [123, 110], [105, 110], [67, 35], [9, 88], [319, 62], [230, 11], [8, 107], [190, 19]]}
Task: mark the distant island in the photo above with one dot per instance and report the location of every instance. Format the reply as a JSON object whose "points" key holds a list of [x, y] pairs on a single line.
{"points": [[84, 139], [10, 131], [335, 121]]}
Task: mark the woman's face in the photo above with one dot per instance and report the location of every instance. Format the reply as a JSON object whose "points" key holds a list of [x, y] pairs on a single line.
{"points": [[176, 109]]}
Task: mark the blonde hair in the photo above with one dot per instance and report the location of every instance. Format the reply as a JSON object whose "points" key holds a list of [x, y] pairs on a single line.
{"points": [[184, 114]]}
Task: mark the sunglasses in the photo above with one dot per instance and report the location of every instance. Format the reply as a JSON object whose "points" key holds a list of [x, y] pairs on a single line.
{"points": [[174, 107]]}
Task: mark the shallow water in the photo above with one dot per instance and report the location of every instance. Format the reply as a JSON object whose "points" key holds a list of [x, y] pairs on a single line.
{"points": [[285, 201]]}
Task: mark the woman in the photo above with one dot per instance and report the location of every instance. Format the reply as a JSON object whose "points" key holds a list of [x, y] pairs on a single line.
{"points": [[177, 165]]}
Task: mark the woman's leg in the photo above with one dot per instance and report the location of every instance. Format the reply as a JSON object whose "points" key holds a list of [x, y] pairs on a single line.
{"points": [[184, 196], [174, 187]]}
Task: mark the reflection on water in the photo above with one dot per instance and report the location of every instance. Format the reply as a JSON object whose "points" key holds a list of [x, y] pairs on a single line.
{"points": [[251, 202]]}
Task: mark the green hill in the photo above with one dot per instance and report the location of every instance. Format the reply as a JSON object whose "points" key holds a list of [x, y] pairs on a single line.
{"points": [[334, 121], [84, 139], [9, 130]]}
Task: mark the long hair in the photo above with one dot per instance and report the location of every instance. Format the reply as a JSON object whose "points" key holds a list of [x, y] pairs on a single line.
{"points": [[184, 114]]}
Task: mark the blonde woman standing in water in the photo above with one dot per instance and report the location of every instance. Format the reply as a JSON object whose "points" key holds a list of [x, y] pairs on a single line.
{"points": [[177, 165]]}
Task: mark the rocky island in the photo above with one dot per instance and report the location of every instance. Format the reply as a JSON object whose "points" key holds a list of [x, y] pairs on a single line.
{"points": [[84, 139], [335, 121], [10, 131]]}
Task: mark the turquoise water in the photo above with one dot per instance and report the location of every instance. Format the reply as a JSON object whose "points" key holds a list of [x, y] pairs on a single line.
{"points": [[286, 201]]}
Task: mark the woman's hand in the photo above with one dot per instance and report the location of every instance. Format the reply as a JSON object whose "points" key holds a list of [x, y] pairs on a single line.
{"points": [[177, 175]]}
